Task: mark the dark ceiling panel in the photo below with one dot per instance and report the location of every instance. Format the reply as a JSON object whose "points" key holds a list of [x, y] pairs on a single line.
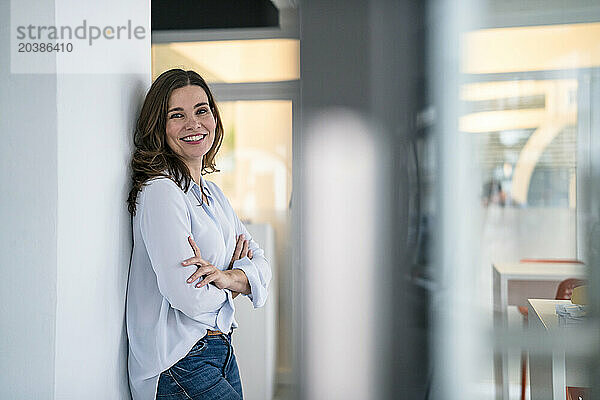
{"points": [[214, 14]]}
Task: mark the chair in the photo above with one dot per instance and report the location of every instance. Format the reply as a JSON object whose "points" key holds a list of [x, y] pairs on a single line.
{"points": [[563, 292], [565, 288]]}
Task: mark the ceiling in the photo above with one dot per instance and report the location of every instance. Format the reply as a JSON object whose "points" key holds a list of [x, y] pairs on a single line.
{"points": [[222, 14]]}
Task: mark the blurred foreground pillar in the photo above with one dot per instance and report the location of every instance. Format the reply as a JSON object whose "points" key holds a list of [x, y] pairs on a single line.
{"points": [[362, 335]]}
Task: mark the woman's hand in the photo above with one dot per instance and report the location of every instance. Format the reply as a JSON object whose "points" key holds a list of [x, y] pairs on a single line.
{"points": [[241, 251], [211, 274], [221, 279]]}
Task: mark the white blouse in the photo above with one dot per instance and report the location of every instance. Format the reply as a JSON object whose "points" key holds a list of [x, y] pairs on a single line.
{"points": [[166, 315]]}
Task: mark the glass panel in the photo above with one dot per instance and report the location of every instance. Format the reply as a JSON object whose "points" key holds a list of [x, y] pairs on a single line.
{"points": [[524, 126], [526, 133], [232, 60], [256, 156]]}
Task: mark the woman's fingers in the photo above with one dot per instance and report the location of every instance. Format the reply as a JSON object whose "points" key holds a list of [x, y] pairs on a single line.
{"points": [[207, 279], [244, 252], [195, 260], [238, 249], [194, 247], [201, 271]]}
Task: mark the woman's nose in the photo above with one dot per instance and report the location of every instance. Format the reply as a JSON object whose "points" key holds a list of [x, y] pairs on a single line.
{"points": [[192, 123]]}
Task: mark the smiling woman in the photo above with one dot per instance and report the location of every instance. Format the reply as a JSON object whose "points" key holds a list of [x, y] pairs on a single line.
{"points": [[152, 156], [180, 320], [190, 124]]}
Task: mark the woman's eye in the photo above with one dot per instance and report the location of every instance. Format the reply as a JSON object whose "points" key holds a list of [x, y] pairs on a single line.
{"points": [[176, 115], [202, 111]]}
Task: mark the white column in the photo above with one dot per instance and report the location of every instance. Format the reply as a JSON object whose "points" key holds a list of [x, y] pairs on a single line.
{"points": [[28, 204], [66, 240]]}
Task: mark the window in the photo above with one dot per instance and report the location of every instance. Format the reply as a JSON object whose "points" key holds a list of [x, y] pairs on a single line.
{"points": [[232, 61]]}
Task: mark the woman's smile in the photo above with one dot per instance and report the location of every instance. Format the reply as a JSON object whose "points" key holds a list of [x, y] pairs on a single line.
{"points": [[194, 139]]}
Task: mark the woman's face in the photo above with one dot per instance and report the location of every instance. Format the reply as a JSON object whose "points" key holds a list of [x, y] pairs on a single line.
{"points": [[190, 124]]}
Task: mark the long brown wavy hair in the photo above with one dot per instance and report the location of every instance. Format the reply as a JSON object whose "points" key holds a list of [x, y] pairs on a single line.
{"points": [[152, 157]]}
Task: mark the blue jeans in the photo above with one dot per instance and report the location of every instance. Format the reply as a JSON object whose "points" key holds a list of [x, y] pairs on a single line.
{"points": [[208, 371]]}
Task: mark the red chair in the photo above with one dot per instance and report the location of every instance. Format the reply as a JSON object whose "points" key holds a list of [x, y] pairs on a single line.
{"points": [[523, 310], [565, 288], [563, 292]]}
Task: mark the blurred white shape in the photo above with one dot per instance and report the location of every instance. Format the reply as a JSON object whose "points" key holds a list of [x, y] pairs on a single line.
{"points": [[339, 280]]}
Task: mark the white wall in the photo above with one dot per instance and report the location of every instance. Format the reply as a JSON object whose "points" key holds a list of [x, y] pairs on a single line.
{"points": [[66, 240], [94, 232], [511, 234]]}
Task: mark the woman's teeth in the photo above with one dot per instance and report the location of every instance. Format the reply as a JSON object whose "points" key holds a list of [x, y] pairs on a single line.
{"points": [[193, 138]]}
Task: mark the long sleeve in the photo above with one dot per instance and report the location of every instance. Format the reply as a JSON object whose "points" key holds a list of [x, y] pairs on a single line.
{"points": [[256, 269], [165, 225]]}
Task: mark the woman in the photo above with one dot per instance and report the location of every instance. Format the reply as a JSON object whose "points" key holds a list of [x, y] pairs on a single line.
{"points": [[180, 318]]}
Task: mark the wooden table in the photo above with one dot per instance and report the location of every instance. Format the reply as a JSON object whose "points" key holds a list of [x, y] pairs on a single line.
{"points": [[513, 284]]}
